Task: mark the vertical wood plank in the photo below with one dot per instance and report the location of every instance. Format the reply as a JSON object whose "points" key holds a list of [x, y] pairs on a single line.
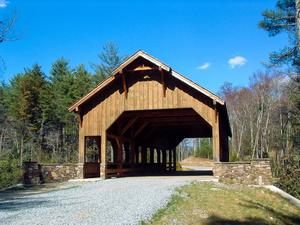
{"points": [[216, 137]]}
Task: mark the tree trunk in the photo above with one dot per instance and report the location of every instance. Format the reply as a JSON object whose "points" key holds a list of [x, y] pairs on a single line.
{"points": [[251, 130], [240, 140], [21, 150], [266, 148], [1, 139], [258, 125], [41, 139]]}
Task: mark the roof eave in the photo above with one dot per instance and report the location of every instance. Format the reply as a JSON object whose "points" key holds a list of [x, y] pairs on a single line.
{"points": [[155, 61]]}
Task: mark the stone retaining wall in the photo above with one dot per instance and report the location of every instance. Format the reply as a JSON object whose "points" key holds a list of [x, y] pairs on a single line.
{"points": [[35, 173], [255, 172], [61, 172]]}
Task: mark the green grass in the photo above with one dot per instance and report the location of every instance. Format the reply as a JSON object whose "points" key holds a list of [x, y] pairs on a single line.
{"points": [[210, 204]]}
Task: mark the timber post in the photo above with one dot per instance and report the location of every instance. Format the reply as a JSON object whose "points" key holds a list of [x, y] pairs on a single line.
{"points": [[174, 159], [170, 159], [164, 158], [103, 165], [216, 134]]}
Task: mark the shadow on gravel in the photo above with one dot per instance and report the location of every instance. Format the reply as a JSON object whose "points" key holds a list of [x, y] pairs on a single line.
{"points": [[22, 203], [18, 198]]}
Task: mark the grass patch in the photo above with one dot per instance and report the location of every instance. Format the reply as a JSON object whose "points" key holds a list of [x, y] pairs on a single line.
{"points": [[210, 204]]}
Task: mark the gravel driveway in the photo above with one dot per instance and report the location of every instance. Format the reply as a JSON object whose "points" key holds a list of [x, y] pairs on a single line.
{"points": [[113, 201]]}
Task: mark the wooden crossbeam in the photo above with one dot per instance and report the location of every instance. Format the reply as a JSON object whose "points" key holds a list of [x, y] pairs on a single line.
{"points": [[118, 137], [140, 129], [142, 68], [149, 133], [176, 120], [128, 125], [163, 113]]}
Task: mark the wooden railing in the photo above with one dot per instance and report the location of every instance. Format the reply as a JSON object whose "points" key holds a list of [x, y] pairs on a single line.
{"points": [[91, 169], [119, 170]]}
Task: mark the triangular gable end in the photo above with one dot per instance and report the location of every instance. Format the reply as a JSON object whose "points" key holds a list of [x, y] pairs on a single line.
{"points": [[154, 61]]}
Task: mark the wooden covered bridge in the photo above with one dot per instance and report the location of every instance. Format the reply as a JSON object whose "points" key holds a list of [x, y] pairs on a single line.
{"points": [[133, 120]]}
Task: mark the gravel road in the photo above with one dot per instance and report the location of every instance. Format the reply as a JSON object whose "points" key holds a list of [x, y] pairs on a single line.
{"points": [[113, 201]]}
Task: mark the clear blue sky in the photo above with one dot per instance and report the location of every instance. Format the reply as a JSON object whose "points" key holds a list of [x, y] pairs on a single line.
{"points": [[187, 35]]}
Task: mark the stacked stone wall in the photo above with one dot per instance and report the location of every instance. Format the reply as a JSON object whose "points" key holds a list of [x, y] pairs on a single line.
{"points": [[34, 173], [254, 172], [61, 172]]}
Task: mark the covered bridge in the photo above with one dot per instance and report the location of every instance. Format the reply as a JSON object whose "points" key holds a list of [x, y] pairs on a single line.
{"points": [[133, 120]]}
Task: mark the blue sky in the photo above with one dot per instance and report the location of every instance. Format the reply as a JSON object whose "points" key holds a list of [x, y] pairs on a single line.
{"points": [[208, 41]]}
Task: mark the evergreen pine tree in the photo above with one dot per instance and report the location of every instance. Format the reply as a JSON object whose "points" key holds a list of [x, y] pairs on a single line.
{"points": [[109, 60]]}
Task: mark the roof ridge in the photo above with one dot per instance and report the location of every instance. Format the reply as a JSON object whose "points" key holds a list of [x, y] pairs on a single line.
{"points": [[154, 60]]}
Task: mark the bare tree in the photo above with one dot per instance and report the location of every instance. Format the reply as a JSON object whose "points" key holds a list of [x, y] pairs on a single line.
{"points": [[259, 116], [7, 28]]}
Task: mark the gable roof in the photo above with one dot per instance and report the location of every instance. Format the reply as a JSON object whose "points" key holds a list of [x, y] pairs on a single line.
{"points": [[156, 62]]}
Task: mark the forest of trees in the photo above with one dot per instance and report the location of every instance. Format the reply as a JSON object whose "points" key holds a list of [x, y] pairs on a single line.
{"points": [[265, 115], [35, 124]]}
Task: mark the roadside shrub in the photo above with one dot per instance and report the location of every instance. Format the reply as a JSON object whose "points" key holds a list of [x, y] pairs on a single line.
{"points": [[10, 172], [178, 166], [233, 157], [287, 173], [205, 149]]}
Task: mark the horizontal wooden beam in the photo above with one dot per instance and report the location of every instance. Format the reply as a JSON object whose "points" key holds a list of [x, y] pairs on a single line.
{"points": [[171, 112], [113, 136], [176, 120]]}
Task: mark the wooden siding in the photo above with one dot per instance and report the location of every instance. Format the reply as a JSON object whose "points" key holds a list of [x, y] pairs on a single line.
{"points": [[145, 92], [143, 95]]}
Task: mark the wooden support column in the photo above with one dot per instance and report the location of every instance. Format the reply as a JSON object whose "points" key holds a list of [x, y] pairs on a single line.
{"points": [[216, 134], [164, 158], [103, 155], [174, 159], [119, 150], [170, 160], [132, 152], [120, 143], [127, 152], [137, 155], [98, 142], [151, 155], [158, 155], [79, 116], [81, 155], [144, 154], [81, 142], [115, 150]]}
